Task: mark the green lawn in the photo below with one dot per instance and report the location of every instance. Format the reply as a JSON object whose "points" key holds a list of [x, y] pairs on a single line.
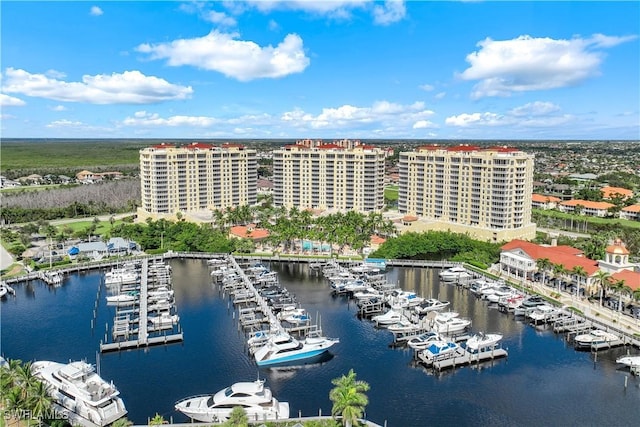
{"points": [[391, 192], [588, 219]]}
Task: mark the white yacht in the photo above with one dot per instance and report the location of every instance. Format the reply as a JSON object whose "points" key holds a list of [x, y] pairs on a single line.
{"points": [[282, 348], [390, 317], [449, 322], [256, 399], [430, 304], [629, 361], [597, 339], [77, 388], [454, 274], [482, 342], [422, 341]]}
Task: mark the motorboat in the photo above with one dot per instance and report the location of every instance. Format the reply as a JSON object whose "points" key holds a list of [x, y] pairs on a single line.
{"points": [[528, 304], [454, 274], [449, 322], [482, 342], [542, 313], [596, 339], [123, 299], [404, 299], [422, 341], [499, 292], [283, 348], [430, 304], [76, 387], [3, 290], [367, 294], [164, 319], [439, 350], [257, 401], [390, 317], [629, 361]]}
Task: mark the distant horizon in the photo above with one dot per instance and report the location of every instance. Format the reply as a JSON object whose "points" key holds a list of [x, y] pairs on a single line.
{"points": [[361, 69], [435, 140]]}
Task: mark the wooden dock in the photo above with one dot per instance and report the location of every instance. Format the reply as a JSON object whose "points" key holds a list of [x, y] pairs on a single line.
{"points": [[139, 337]]}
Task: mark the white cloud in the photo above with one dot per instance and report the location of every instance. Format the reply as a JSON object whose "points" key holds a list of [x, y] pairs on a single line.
{"points": [[10, 101], [147, 119], [273, 25], [383, 13], [392, 11], [239, 59], [59, 108], [95, 11], [485, 119], [129, 87], [427, 87], [142, 118], [440, 95], [64, 123], [381, 113], [527, 63], [219, 18], [532, 115], [537, 108], [424, 124]]}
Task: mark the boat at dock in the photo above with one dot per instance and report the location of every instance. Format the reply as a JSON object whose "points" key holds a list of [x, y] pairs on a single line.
{"points": [[454, 274], [597, 339], [632, 362], [256, 400], [283, 348], [77, 388]]}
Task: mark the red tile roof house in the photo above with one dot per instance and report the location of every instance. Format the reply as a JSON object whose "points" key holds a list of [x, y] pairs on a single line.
{"points": [[544, 202], [519, 259], [258, 235], [631, 212], [589, 208]]}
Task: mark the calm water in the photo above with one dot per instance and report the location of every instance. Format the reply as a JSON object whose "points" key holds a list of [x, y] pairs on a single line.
{"points": [[543, 381]]}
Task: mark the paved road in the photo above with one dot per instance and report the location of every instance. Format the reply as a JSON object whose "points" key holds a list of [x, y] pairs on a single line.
{"points": [[571, 234], [6, 259]]}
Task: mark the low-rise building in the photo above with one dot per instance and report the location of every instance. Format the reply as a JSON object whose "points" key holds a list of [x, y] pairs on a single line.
{"points": [[540, 201], [586, 207], [631, 212]]}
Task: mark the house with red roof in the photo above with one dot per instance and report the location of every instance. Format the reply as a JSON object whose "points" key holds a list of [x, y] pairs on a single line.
{"points": [[520, 259], [587, 207], [610, 193], [631, 213], [544, 202], [248, 232]]}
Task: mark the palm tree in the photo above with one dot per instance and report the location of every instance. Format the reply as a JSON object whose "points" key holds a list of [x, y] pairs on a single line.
{"points": [[620, 288], [558, 271], [580, 274], [603, 278], [348, 398], [543, 265], [39, 400], [122, 422], [157, 420]]}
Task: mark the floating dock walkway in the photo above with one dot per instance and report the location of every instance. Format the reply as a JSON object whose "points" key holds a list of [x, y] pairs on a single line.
{"points": [[122, 324]]}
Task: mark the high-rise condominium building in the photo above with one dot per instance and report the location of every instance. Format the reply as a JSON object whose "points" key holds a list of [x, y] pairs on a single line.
{"points": [[485, 192], [196, 178], [343, 175]]}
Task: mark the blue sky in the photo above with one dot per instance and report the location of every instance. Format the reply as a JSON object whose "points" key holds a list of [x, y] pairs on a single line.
{"points": [[321, 69]]}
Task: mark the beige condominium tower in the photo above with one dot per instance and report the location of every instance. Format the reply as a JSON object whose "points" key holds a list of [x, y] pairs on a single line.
{"points": [[485, 192], [194, 179], [339, 176]]}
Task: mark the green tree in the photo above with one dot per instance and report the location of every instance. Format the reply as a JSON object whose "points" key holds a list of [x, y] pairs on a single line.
{"points": [[581, 274], [237, 418], [157, 420], [559, 271], [543, 264], [349, 398], [602, 277]]}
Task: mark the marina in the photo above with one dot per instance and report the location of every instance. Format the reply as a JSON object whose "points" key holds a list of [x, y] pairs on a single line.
{"points": [[214, 354]]}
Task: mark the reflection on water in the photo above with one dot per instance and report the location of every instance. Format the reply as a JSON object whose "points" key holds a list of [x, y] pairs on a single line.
{"points": [[542, 382]]}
